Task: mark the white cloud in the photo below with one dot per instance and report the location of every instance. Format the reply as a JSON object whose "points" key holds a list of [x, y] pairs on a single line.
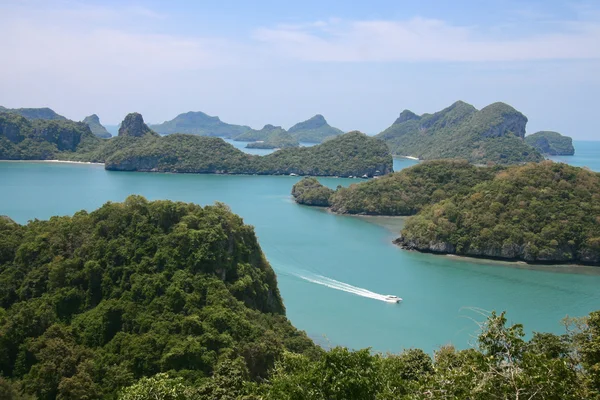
{"points": [[421, 39]]}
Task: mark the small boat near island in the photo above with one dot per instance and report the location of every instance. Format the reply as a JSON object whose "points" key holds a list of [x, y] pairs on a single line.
{"points": [[392, 299]]}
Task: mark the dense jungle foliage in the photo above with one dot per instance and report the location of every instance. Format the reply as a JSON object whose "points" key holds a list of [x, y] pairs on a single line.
{"points": [[91, 303], [34, 113], [406, 192], [350, 154], [551, 143], [309, 191], [172, 301], [493, 135], [546, 212]]}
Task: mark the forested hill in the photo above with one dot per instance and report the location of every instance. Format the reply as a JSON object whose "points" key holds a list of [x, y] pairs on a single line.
{"points": [[93, 302], [540, 212], [551, 143], [314, 130], [351, 154], [163, 300], [546, 212], [42, 139], [199, 123], [491, 135], [139, 148], [34, 113]]}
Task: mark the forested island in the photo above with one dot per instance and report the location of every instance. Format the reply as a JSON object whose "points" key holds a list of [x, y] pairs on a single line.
{"points": [[551, 143], [199, 123], [96, 127], [174, 301], [539, 212], [139, 148], [314, 130], [492, 135], [269, 137]]}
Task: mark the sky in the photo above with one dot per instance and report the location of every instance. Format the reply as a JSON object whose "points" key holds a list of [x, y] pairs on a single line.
{"points": [[281, 62]]}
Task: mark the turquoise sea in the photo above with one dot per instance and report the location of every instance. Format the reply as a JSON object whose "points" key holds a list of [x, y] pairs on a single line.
{"points": [[587, 154], [331, 269]]}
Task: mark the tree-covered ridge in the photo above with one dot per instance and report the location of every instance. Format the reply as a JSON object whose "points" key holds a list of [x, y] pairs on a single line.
{"points": [[406, 192], [502, 365], [96, 127], [41, 139], [491, 135], [551, 143], [255, 135], [199, 123], [546, 212], [34, 113], [350, 154], [276, 139], [314, 130], [92, 303], [311, 192]]}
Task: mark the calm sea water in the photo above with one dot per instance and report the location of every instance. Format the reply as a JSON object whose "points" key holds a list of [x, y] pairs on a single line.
{"points": [[587, 154], [331, 269]]}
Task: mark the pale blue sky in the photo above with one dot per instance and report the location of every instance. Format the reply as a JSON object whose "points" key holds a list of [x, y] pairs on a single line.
{"points": [[281, 62]]}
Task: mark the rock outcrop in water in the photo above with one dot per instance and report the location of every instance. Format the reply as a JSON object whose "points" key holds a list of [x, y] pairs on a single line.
{"points": [[311, 192], [551, 143]]}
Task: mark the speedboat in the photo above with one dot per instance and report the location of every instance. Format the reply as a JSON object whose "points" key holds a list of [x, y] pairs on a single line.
{"points": [[392, 299]]}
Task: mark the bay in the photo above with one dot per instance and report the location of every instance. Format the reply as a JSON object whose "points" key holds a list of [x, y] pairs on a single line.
{"points": [[330, 268], [587, 154]]}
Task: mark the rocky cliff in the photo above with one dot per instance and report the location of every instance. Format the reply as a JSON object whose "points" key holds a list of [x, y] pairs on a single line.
{"points": [[133, 126]]}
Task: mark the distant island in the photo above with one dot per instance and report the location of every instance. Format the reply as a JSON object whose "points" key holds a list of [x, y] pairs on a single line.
{"points": [[42, 139], [314, 130], [96, 127], [269, 137], [539, 212], [492, 135], [199, 123], [551, 143], [139, 148], [34, 113]]}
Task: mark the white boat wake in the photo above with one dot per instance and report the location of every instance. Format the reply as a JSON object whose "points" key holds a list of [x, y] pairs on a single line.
{"points": [[333, 284]]}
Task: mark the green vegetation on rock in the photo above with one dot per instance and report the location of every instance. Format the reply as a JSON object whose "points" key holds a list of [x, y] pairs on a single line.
{"points": [[546, 212], [551, 143], [255, 135], [42, 139], [406, 192], [91, 303], [310, 192], [199, 123], [139, 148], [350, 154], [492, 135], [276, 139], [314, 130], [34, 113], [96, 127]]}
